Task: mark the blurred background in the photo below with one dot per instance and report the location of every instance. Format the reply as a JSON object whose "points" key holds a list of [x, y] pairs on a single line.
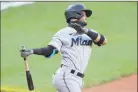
{"points": [[33, 25]]}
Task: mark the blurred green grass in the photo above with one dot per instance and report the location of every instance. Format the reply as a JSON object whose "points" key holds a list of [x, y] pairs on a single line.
{"points": [[34, 25]]}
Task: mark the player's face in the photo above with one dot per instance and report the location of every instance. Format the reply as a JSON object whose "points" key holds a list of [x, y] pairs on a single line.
{"points": [[84, 15], [83, 19]]}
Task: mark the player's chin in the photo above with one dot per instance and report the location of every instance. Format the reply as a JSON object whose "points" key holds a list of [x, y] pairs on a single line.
{"points": [[85, 23]]}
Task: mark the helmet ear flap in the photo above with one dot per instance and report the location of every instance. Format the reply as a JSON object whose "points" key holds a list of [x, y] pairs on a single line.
{"points": [[73, 15]]}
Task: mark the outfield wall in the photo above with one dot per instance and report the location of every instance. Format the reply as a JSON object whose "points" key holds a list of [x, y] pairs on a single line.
{"points": [[6, 5]]}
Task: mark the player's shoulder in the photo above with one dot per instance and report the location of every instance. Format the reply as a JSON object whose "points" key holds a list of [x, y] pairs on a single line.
{"points": [[66, 30]]}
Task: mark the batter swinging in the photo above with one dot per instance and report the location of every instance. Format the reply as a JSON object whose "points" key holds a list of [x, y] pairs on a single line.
{"points": [[74, 43]]}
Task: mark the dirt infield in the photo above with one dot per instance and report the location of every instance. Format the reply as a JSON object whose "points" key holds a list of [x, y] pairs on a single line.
{"points": [[127, 84]]}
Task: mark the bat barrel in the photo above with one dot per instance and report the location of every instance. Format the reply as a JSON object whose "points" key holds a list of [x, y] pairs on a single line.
{"points": [[29, 81], [29, 77]]}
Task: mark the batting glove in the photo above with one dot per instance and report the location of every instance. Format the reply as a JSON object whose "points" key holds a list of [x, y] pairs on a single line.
{"points": [[25, 52]]}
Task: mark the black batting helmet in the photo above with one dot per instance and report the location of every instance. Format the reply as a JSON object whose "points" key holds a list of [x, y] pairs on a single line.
{"points": [[75, 11]]}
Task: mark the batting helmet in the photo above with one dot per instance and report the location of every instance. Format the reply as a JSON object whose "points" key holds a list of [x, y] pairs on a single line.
{"points": [[75, 11]]}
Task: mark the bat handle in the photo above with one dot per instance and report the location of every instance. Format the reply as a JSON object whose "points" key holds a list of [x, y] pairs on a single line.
{"points": [[26, 65], [24, 59]]}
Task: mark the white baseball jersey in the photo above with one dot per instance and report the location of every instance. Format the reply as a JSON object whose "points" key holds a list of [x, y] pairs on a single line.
{"points": [[75, 48]]}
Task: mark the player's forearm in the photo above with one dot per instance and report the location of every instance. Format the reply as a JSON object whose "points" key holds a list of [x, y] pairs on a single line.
{"points": [[97, 38], [46, 51]]}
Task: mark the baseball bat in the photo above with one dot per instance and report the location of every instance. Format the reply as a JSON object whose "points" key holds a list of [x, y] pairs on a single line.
{"points": [[28, 73], [28, 76]]}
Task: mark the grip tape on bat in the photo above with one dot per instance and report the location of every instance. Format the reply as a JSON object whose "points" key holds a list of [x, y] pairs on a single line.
{"points": [[29, 81]]}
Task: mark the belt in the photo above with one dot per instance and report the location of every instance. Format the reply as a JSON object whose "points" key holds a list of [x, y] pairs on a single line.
{"points": [[73, 71]]}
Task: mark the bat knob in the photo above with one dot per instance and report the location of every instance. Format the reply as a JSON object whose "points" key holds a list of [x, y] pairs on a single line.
{"points": [[24, 59], [22, 48]]}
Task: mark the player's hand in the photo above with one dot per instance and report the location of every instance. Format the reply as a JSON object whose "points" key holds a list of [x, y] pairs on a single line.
{"points": [[25, 52], [78, 28]]}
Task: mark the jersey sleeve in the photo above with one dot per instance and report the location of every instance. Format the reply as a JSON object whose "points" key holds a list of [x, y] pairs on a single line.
{"points": [[94, 30], [56, 41], [101, 39]]}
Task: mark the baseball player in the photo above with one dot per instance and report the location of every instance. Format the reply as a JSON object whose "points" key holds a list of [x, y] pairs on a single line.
{"points": [[74, 43]]}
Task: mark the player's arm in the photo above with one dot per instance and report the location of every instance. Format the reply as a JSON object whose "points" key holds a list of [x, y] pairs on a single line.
{"points": [[46, 51], [52, 48], [97, 38]]}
